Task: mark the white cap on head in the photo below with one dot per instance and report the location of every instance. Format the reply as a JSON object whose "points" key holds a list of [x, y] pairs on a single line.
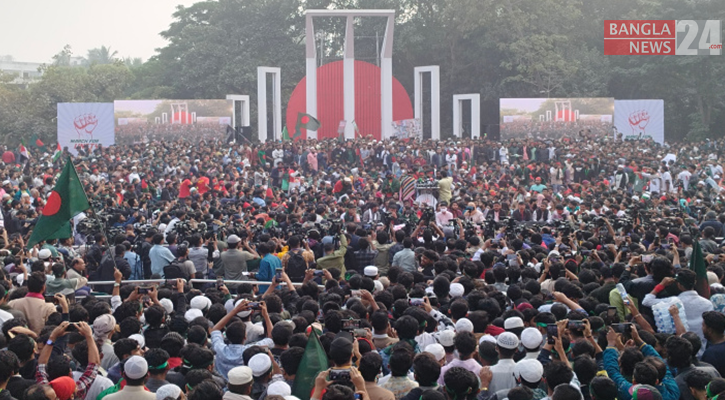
{"points": [[531, 338], [193, 314], [139, 338], [168, 390], [44, 254], [487, 338], [456, 290], [371, 271], [240, 375], [260, 364], [135, 367], [241, 314], [436, 350], [378, 286], [529, 370], [507, 340], [168, 305], [445, 338], [200, 303], [464, 325], [279, 388], [513, 323], [233, 239]]}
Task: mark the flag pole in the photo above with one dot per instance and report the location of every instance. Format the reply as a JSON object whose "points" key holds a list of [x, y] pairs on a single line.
{"points": [[94, 214]]}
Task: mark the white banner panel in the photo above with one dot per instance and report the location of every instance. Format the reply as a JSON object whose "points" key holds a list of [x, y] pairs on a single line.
{"points": [[640, 119], [82, 124]]}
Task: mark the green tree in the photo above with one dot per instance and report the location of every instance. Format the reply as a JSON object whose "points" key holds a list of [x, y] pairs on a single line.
{"points": [[102, 55]]}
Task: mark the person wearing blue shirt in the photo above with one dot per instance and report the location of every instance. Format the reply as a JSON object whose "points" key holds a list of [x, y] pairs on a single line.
{"points": [[610, 358], [160, 256], [267, 267]]}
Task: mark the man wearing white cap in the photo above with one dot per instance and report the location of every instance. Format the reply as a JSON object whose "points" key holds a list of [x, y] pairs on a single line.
{"points": [[240, 384], [235, 260], [261, 365], [503, 372], [135, 369], [438, 352], [371, 272], [531, 339]]}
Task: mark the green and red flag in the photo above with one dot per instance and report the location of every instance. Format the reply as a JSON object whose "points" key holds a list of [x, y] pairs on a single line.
{"points": [[67, 200], [313, 362], [306, 121], [38, 142], [697, 264]]}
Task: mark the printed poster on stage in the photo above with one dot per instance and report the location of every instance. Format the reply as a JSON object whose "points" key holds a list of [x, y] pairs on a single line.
{"points": [[640, 119], [85, 124]]}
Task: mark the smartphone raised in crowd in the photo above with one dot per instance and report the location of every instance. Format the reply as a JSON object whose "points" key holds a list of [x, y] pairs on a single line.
{"points": [[552, 331], [416, 301], [623, 328], [339, 375]]}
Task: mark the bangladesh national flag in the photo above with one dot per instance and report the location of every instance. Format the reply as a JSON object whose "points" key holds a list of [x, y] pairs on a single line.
{"points": [[57, 154], [67, 200], [306, 121], [697, 264], [313, 362], [38, 142]]}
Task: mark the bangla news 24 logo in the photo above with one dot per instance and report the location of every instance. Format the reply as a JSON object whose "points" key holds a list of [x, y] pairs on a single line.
{"points": [[85, 124], [663, 37]]}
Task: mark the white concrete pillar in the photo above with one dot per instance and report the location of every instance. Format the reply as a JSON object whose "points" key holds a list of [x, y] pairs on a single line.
{"points": [[435, 98], [349, 78]]}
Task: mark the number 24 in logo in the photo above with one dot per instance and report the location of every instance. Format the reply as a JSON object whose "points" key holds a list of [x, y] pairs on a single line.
{"points": [[707, 34]]}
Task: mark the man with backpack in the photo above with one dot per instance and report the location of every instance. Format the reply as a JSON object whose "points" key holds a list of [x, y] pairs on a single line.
{"points": [[297, 260]]}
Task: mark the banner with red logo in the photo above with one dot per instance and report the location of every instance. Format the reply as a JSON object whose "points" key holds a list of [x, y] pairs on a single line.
{"points": [[640, 119], [85, 124]]}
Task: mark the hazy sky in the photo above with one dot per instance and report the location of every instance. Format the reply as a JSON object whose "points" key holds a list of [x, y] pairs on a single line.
{"points": [[35, 30]]}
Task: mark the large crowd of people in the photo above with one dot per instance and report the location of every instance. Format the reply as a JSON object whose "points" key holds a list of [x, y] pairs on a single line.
{"points": [[144, 133], [582, 268], [525, 128]]}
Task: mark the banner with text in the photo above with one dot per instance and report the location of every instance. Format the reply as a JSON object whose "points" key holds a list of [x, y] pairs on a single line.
{"points": [[139, 121], [640, 119], [540, 118], [85, 124]]}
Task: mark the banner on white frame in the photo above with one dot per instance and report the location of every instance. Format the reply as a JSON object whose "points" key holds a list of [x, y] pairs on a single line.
{"points": [[85, 124], [640, 119]]}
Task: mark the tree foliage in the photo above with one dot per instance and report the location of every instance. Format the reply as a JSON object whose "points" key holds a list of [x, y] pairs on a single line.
{"points": [[518, 48]]}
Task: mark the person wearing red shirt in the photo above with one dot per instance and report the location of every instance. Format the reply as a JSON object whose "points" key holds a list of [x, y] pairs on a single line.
{"points": [[185, 189]]}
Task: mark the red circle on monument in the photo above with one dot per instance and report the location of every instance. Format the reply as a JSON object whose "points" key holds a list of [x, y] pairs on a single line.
{"points": [[331, 102], [53, 204]]}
